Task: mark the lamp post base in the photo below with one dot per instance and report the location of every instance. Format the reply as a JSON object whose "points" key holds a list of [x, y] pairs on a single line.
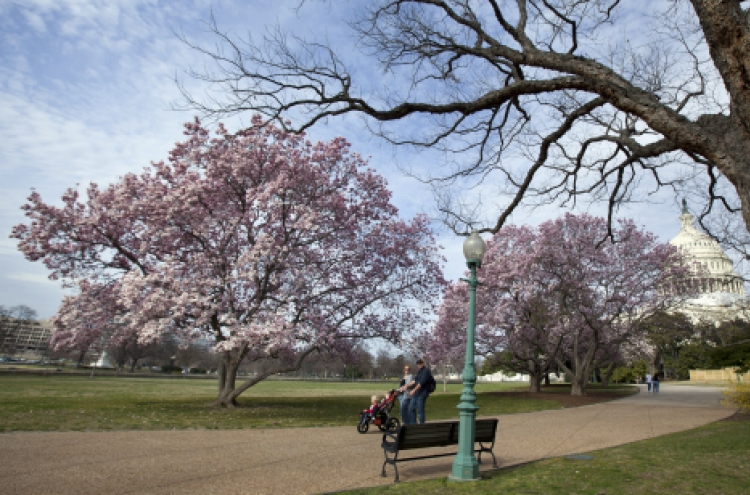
{"points": [[454, 479], [465, 465], [464, 469]]}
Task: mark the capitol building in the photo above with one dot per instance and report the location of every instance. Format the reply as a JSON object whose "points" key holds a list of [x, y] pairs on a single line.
{"points": [[721, 291]]}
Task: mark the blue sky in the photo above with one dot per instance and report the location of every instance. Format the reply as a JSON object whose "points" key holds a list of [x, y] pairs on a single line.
{"points": [[85, 94]]}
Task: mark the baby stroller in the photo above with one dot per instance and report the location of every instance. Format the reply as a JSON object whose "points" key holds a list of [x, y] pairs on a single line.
{"points": [[381, 417]]}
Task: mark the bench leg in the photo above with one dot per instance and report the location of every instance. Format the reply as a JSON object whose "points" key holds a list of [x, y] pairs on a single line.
{"points": [[395, 468], [494, 459], [482, 448], [391, 462]]}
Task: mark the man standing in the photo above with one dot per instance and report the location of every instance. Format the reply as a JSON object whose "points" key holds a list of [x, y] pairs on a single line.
{"points": [[648, 381], [419, 392]]}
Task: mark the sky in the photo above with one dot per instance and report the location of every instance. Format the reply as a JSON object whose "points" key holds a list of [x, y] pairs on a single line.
{"points": [[87, 89]]}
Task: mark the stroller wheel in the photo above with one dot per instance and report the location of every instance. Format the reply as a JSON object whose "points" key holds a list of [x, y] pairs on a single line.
{"points": [[393, 424], [363, 426], [383, 427]]}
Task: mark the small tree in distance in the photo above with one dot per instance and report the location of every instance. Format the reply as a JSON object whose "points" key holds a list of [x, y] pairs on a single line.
{"points": [[264, 243], [555, 295]]}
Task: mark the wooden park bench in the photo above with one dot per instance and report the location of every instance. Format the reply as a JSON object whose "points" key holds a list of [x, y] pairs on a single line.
{"points": [[442, 434]]}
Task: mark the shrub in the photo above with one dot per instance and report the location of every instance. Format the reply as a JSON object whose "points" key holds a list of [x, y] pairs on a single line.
{"points": [[738, 395], [170, 369], [631, 373]]}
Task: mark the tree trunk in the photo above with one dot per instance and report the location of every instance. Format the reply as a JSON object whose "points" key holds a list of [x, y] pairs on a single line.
{"points": [[79, 363], [535, 383], [133, 362], [579, 380], [655, 363], [579, 375], [229, 365], [607, 374], [604, 379], [445, 380], [546, 380], [578, 387]]}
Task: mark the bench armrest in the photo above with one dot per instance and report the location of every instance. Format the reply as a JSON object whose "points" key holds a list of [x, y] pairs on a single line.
{"points": [[390, 442]]}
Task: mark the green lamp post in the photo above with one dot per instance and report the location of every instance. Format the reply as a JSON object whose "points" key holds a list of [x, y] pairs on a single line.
{"points": [[465, 466]]}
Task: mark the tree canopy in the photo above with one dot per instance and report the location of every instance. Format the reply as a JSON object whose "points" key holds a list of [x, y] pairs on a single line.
{"points": [[261, 243], [554, 100], [554, 296]]}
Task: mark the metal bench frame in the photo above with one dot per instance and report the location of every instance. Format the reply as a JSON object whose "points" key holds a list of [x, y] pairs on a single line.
{"points": [[437, 434]]}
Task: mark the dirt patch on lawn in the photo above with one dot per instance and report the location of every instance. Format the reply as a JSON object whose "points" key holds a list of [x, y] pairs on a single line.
{"points": [[738, 416]]}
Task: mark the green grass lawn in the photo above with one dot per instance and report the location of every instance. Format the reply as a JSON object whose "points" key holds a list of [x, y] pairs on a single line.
{"points": [[62, 403], [713, 459]]}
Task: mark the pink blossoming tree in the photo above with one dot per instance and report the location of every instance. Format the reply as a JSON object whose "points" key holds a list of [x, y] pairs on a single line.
{"points": [[261, 242], [558, 295]]}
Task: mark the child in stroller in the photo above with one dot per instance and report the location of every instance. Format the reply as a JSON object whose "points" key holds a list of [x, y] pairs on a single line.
{"points": [[379, 414]]}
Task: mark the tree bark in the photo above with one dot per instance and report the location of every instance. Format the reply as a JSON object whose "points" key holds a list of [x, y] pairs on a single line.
{"points": [[445, 379], [578, 388], [79, 363], [607, 374], [535, 383], [228, 368], [579, 375], [227, 372]]}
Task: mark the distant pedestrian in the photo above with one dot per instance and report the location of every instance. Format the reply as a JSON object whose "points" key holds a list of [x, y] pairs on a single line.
{"points": [[404, 398], [420, 391], [648, 381], [655, 381]]}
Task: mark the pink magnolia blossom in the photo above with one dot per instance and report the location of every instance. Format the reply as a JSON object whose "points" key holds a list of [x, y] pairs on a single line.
{"points": [[262, 242], [560, 296]]}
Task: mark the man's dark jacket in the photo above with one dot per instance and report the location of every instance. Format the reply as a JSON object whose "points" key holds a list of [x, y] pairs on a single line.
{"points": [[423, 376]]}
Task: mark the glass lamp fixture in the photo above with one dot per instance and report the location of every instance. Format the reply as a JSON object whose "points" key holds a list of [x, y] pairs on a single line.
{"points": [[474, 248]]}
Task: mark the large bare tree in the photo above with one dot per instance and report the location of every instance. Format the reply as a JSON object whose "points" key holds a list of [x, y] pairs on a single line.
{"points": [[552, 100]]}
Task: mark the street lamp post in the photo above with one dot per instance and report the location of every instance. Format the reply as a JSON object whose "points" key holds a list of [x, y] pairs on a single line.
{"points": [[465, 465]]}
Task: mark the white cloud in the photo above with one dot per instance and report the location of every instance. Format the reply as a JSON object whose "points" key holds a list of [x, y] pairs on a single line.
{"points": [[35, 21], [85, 87], [34, 278]]}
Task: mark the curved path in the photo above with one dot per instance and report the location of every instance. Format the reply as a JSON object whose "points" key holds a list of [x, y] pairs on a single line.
{"points": [[315, 460]]}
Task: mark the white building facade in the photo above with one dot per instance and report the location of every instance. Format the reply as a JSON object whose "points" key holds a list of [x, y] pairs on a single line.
{"points": [[721, 290]]}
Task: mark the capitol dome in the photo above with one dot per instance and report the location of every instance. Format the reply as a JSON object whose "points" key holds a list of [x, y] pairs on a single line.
{"points": [[718, 284]]}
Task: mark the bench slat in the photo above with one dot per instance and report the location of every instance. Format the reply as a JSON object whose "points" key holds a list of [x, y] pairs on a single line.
{"points": [[448, 432]]}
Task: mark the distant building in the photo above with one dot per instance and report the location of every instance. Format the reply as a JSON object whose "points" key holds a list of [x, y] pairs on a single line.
{"points": [[721, 290], [26, 337]]}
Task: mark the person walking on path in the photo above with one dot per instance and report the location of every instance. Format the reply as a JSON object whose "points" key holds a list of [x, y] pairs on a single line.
{"points": [[419, 392], [404, 398], [648, 381], [655, 382]]}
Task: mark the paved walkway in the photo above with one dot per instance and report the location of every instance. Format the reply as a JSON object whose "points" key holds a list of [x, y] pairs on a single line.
{"points": [[315, 460]]}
